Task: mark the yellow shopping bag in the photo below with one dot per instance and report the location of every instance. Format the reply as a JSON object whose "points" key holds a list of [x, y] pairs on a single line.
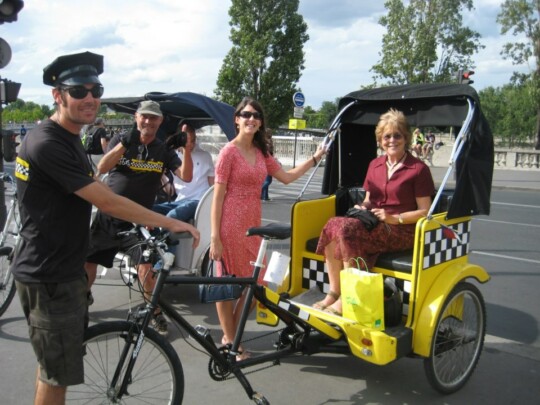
{"points": [[362, 297]]}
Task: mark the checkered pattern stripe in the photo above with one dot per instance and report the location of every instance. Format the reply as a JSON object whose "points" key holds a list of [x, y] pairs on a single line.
{"points": [[141, 165], [313, 274], [294, 309], [146, 166], [22, 169], [438, 248]]}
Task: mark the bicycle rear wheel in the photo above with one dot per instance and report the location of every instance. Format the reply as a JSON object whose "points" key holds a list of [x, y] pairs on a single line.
{"points": [[7, 282], [157, 377], [458, 340]]}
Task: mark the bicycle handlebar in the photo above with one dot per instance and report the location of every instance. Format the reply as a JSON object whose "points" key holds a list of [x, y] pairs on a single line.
{"points": [[159, 243]]}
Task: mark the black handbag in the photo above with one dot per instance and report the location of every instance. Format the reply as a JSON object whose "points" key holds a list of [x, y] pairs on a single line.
{"points": [[209, 293], [367, 217]]}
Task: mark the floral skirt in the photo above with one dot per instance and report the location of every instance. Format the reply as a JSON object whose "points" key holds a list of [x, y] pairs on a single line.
{"points": [[353, 240]]}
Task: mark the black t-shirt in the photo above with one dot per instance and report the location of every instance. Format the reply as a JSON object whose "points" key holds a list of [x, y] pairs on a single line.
{"points": [[51, 166], [137, 175]]}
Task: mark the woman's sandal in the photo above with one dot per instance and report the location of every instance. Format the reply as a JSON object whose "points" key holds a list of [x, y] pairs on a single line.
{"points": [[243, 355], [333, 311], [319, 304]]}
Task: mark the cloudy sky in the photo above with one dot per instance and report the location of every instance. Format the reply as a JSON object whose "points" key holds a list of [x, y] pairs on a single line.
{"points": [[171, 46]]}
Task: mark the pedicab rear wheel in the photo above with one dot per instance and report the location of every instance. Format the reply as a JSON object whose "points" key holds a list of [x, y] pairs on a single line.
{"points": [[458, 339]]}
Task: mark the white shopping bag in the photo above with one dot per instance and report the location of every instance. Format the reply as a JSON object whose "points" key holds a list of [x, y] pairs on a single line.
{"points": [[277, 268]]}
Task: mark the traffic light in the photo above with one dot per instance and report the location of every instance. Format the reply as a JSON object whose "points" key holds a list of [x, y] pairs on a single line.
{"points": [[9, 145], [9, 91], [9, 10], [466, 77]]}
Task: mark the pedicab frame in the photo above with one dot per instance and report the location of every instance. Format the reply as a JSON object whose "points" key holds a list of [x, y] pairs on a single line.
{"points": [[443, 316]]}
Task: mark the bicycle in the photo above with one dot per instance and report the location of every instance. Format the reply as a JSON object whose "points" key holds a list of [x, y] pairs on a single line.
{"points": [[9, 243], [127, 360]]}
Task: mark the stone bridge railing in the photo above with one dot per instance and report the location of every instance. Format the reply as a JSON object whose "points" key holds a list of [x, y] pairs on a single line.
{"points": [[518, 159], [284, 146], [306, 146]]}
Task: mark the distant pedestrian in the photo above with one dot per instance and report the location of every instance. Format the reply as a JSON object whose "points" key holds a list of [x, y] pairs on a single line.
{"points": [[22, 132]]}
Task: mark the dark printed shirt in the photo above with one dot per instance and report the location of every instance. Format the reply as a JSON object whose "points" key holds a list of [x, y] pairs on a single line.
{"points": [[51, 166], [137, 175]]}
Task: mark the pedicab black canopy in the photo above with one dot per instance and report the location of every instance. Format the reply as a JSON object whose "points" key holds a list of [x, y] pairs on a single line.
{"points": [[425, 105], [177, 108]]}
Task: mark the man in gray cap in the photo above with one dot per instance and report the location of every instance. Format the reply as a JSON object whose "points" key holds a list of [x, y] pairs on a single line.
{"points": [[57, 188], [135, 161]]}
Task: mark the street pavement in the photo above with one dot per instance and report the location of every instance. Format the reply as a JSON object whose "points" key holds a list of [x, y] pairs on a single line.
{"points": [[502, 178], [508, 372]]}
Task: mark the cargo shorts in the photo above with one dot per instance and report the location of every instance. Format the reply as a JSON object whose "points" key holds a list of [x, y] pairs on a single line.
{"points": [[57, 316]]}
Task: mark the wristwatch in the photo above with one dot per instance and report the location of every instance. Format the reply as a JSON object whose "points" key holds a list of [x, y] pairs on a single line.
{"points": [[400, 219]]}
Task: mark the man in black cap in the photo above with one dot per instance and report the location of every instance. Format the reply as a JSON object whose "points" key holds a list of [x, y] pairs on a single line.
{"points": [[135, 162], [57, 188]]}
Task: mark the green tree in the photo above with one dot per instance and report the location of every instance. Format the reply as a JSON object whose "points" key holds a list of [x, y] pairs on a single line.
{"points": [[523, 17], [266, 58], [21, 111], [425, 41], [510, 110]]}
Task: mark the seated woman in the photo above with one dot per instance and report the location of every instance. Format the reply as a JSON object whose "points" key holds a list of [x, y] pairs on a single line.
{"points": [[398, 191]]}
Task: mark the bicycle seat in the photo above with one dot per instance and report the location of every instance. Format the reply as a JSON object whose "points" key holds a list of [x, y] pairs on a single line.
{"points": [[271, 231]]}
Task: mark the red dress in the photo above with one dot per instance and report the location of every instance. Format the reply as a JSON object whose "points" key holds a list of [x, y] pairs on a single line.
{"points": [[241, 206], [396, 195]]}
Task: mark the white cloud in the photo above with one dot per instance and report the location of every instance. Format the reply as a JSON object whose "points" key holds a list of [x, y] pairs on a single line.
{"points": [[161, 45]]}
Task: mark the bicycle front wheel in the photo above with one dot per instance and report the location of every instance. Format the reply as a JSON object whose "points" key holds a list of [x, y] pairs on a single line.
{"points": [[156, 378], [7, 283]]}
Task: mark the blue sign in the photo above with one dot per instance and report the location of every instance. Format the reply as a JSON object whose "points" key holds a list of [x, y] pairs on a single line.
{"points": [[298, 99]]}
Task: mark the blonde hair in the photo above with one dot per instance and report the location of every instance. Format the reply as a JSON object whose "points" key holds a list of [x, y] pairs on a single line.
{"points": [[396, 121]]}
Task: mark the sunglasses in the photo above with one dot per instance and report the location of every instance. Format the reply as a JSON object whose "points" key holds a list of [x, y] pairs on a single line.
{"points": [[248, 114], [80, 92], [397, 137]]}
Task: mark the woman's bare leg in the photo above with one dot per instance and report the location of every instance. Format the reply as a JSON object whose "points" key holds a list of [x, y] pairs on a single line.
{"points": [[334, 266], [225, 311]]}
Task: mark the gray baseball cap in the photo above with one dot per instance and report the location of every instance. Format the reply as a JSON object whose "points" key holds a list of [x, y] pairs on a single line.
{"points": [[149, 107]]}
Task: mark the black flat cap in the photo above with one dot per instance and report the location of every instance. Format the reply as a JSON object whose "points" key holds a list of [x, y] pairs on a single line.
{"points": [[79, 68]]}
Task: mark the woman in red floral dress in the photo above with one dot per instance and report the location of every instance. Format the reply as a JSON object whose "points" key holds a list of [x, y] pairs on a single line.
{"points": [[241, 169], [398, 191]]}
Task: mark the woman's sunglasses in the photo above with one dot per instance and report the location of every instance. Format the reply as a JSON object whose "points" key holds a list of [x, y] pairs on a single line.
{"points": [[80, 92], [248, 114]]}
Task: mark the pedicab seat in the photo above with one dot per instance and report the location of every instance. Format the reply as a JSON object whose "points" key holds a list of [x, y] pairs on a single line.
{"points": [[398, 261]]}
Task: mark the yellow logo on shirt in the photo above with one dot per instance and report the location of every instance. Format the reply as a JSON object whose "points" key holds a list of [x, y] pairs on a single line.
{"points": [[22, 169]]}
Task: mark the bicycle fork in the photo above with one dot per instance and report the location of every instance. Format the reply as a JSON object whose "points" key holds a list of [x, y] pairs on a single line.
{"points": [[137, 329]]}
